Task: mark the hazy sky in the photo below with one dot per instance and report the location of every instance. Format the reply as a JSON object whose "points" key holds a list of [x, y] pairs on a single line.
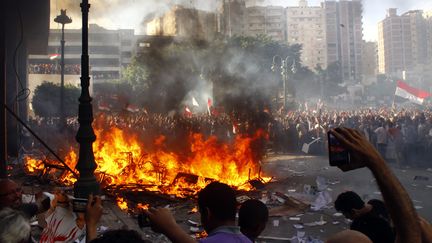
{"points": [[115, 14], [373, 11]]}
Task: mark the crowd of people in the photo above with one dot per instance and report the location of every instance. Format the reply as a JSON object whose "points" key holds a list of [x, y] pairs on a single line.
{"points": [[53, 68], [392, 220], [402, 136]]}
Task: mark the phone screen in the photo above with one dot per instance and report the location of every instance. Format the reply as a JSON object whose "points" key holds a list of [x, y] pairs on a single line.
{"points": [[338, 155]]}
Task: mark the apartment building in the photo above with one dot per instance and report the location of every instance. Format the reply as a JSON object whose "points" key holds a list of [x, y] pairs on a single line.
{"points": [[109, 51], [187, 23], [402, 42], [344, 36], [269, 20], [305, 26]]}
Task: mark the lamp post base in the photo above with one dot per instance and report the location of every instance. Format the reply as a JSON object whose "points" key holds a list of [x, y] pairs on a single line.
{"points": [[86, 186]]}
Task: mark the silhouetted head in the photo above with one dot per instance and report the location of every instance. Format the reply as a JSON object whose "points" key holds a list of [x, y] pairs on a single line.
{"points": [[217, 204], [348, 236], [349, 203], [253, 217], [14, 227]]}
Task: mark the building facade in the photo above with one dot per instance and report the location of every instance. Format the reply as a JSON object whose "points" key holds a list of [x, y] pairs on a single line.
{"points": [[370, 61], [344, 36], [269, 20], [109, 51], [305, 26], [402, 42], [187, 23]]}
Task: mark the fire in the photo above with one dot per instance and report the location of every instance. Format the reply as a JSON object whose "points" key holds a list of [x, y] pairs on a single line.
{"points": [[122, 159], [33, 165], [143, 206], [121, 203]]}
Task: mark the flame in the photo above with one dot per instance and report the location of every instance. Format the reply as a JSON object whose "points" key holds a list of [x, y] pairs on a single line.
{"points": [[142, 206], [122, 159], [33, 165], [121, 203]]}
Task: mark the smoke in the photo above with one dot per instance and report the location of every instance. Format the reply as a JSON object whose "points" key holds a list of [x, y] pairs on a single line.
{"points": [[122, 14]]}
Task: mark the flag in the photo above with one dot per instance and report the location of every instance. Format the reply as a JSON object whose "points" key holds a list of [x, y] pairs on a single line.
{"points": [[194, 102], [209, 105], [54, 56], [412, 94], [187, 112]]}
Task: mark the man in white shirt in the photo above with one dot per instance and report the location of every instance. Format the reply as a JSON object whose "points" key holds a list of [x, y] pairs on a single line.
{"points": [[381, 135]]}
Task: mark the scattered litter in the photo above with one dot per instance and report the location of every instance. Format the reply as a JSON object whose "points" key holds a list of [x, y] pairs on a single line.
{"points": [[414, 185], [298, 226], [417, 201], [403, 171], [316, 223], [321, 230], [337, 214], [193, 229], [335, 222], [291, 206], [418, 207], [325, 168], [291, 190], [334, 182], [429, 169], [322, 200], [276, 223], [329, 189], [429, 186], [321, 183], [377, 193], [421, 178], [299, 215], [193, 223], [103, 229], [307, 189], [294, 218]]}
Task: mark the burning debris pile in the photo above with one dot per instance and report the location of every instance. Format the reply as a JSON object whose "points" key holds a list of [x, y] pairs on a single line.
{"points": [[123, 161]]}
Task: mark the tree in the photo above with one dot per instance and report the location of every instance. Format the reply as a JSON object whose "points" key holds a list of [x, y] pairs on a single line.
{"points": [[46, 100], [239, 70]]}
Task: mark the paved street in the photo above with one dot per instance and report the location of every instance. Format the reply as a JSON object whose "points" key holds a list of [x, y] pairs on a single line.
{"points": [[291, 174], [296, 171]]}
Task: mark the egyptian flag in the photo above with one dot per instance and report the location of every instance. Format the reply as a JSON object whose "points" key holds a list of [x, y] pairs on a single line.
{"points": [[187, 112], [412, 94], [54, 56], [209, 105]]}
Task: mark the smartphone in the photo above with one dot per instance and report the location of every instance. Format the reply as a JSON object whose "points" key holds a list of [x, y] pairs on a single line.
{"points": [[338, 154], [79, 205]]}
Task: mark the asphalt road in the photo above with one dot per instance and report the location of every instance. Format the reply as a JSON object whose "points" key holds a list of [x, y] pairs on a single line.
{"points": [[294, 171]]}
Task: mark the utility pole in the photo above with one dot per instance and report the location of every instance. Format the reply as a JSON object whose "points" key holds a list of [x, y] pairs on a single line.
{"points": [[85, 136], [62, 19]]}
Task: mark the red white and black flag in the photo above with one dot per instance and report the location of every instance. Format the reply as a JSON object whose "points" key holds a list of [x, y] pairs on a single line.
{"points": [[412, 94]]}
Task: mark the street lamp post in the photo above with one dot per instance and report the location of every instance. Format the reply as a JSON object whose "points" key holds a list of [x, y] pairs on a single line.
{"points": [[284, 74], [85, 136], [62, 19]]}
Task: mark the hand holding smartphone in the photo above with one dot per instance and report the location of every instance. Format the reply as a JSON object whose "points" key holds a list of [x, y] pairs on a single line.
{"points": [[338, 154]]}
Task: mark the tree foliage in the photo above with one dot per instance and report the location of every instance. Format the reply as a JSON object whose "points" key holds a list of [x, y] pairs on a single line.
{"points": [[238, 68], [46, 100]]}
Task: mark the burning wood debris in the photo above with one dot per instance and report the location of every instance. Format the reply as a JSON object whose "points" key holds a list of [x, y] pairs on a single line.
{"points": [[125, 164]]}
